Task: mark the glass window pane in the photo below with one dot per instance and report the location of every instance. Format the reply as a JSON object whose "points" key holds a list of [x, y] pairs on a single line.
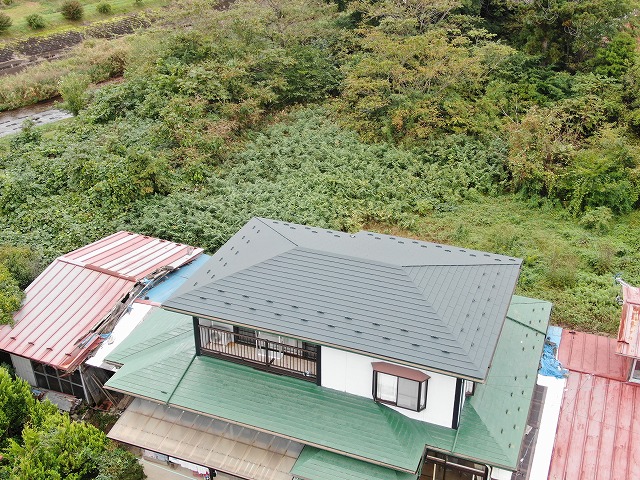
{"points": [[386, 387], [66, 386], [423, 395], [37, 367], [75, 377], [408, 393], [635, 374], [50, 371], [78, 391], [54, 384], [41, 380]]}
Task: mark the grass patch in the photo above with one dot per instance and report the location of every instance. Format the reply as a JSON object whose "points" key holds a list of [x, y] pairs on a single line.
{"points": [[98, 59], [50, 10]]}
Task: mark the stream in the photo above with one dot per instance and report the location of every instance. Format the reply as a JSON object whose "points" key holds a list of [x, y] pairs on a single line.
{"points": [[41, 114]]}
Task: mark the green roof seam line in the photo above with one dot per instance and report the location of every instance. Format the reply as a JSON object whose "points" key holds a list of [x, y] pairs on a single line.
{"points": [[193, 357], [525, 325]]}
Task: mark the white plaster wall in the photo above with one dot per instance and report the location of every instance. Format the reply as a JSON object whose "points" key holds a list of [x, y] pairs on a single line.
{"points": [[24, 369], [352, 373], [499, 474]]}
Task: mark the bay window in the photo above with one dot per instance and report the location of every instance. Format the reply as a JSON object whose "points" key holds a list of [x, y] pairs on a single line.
{"points": [[399, 386]]}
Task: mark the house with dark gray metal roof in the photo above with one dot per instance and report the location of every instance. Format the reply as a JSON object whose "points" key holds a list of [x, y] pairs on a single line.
{"points": [[355, 355]]}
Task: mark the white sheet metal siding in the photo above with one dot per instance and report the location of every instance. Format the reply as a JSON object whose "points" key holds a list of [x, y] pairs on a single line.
{"points": [[23, 369]]}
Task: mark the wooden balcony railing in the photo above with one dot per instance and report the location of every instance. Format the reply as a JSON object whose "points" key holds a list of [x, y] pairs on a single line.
{"points": [[300, 362]]}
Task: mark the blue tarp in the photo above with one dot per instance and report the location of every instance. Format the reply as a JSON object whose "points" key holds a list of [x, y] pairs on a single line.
{"points": [[164, 289], [550, 366], [554, 334]]}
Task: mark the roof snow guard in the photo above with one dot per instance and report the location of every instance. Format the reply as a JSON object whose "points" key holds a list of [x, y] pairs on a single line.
{"points": [[418, 303], [629, 331], [63, 306]]}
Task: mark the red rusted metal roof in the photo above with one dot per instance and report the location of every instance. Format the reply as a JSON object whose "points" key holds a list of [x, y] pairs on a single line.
{"points": [[598, 434], [63, 305], [595, 354], [629, 331]]}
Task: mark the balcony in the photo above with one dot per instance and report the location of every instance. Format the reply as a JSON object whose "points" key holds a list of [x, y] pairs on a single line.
{"points": [[248, 348]]}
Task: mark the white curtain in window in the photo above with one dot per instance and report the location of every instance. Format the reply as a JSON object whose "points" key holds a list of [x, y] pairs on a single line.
{"points": [[387, 387], [408, 394]]}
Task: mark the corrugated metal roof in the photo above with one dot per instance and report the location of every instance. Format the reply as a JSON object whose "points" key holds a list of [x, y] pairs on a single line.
{"points": [[78, 290], [316, 464], [419, 303], [629, 331], [598, 435], [160, 364], [206, 441], [131, 255], [592, 354]]}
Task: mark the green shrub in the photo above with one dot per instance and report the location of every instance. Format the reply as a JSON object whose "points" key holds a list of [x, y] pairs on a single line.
{"points": [[73, 89], [5, 22], [598, 219], [72, 10], [104, 8], [7, 2], [35, 21], [10, 295]]}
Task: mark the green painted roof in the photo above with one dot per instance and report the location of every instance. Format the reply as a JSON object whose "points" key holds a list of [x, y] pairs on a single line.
{"points": [[162, 366], [326, 418], [494, 418], [316, 464], [160, 328]]}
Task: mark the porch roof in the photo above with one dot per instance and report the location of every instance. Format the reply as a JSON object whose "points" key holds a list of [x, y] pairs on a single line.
{"points": [[160, 364], [316, 464]]}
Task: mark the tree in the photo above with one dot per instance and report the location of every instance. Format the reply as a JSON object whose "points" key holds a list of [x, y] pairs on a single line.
{"points": [[118, 464], [40, 443], [16, 403], [569, 32]]}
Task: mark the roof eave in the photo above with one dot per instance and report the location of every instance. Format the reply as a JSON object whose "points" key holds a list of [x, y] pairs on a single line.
{"points": [[327, 344]]}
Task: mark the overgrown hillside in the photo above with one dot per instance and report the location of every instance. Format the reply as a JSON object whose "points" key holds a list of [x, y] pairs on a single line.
{"points": [[506, 126]]}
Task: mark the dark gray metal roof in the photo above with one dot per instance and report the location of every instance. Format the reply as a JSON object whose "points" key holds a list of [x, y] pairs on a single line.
{"points": [[420, 303]]}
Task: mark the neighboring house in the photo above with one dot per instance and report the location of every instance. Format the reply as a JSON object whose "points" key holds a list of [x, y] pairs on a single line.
{"points": [[629, 331], [305, 353], [76, 302], [598, 434]]}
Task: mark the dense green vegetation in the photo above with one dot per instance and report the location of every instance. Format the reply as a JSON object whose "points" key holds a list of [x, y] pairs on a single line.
{"points": [[505, 126], [37, 442]]}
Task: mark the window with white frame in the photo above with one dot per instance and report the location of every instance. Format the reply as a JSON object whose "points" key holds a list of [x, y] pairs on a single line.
{"points": [[399, 386]]}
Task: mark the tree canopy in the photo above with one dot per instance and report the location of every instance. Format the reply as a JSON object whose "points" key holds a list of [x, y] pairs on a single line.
{"points": [[37, 442]]}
